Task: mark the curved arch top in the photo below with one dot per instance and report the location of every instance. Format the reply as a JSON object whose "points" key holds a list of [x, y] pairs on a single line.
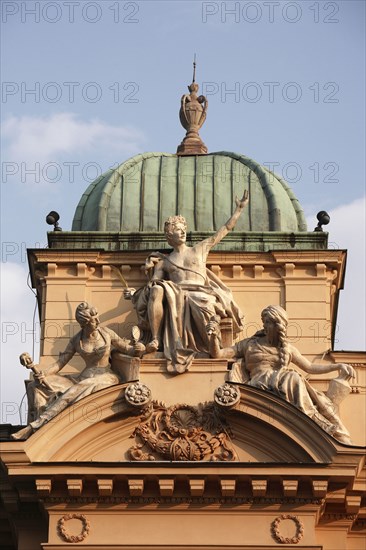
{"points": [[265, 429]]}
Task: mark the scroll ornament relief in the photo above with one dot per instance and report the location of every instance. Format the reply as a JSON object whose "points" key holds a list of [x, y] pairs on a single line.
{"points": [[182, 433]]}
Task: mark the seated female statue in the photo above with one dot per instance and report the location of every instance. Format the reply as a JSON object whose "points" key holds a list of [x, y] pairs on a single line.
{"points": [[266, 359], [53, 392]]}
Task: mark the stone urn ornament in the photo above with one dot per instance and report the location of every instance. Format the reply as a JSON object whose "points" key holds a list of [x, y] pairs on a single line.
{"points": [[192, 115]]}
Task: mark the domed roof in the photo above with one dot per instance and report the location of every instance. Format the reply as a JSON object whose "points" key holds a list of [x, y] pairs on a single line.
{"points": [[141, 193]]}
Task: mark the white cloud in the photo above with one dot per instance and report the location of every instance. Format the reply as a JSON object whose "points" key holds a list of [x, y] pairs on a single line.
{"points": [[347, 231], [41, 139], [17, 307]]}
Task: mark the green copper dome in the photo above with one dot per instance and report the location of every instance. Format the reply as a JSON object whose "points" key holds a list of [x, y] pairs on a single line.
{"points": [[144, 191]]}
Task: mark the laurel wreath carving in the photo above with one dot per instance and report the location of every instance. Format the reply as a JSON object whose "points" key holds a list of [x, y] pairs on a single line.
{"points": [[285, 540], [73, 538]]}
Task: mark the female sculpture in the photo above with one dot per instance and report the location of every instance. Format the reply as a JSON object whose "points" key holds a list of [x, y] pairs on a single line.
{"points": [[182, 294], [93, 343], [266, 359]]}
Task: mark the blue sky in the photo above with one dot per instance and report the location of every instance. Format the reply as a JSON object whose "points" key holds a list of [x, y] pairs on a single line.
{"points": [[285, 84]]}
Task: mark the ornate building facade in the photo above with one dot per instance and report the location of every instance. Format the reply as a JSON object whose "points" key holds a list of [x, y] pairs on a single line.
{"points": [[191, 457]]}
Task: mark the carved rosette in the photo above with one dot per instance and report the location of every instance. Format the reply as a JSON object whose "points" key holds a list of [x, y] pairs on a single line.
{"points": [[138, 395], [62, 528], [275, 528], [182, 433], [227, 395]]}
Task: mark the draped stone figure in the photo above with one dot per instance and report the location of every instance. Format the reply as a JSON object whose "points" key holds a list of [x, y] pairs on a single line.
{"points": [[52, 393], [266, 359], [183, 295]]}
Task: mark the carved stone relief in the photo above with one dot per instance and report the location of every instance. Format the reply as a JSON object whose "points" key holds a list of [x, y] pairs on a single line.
{"points": [[182, 433], [275, 528], [227, 395], [66, 535], [137, 394]]}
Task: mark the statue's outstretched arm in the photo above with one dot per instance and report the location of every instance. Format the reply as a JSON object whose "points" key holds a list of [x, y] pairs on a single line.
{"points": [[230, 224], [124, 345], [345, 371]]}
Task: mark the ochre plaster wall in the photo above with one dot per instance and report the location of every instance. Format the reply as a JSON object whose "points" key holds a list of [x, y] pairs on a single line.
{"points": [[175, 525], [305, 283]]}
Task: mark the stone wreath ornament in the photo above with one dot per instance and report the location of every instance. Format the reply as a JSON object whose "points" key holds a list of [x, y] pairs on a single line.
{"points": [[73, 538], [275, 527]]}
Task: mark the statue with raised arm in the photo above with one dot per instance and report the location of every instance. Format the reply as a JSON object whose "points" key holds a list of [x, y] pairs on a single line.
{"points": [[183, 295], [52, 393], [266, 359]]}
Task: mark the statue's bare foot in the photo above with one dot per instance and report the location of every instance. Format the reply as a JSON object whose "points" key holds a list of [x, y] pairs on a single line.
{"points": [[153, 346], [169, 367], [180, 368], [24, 433]]}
